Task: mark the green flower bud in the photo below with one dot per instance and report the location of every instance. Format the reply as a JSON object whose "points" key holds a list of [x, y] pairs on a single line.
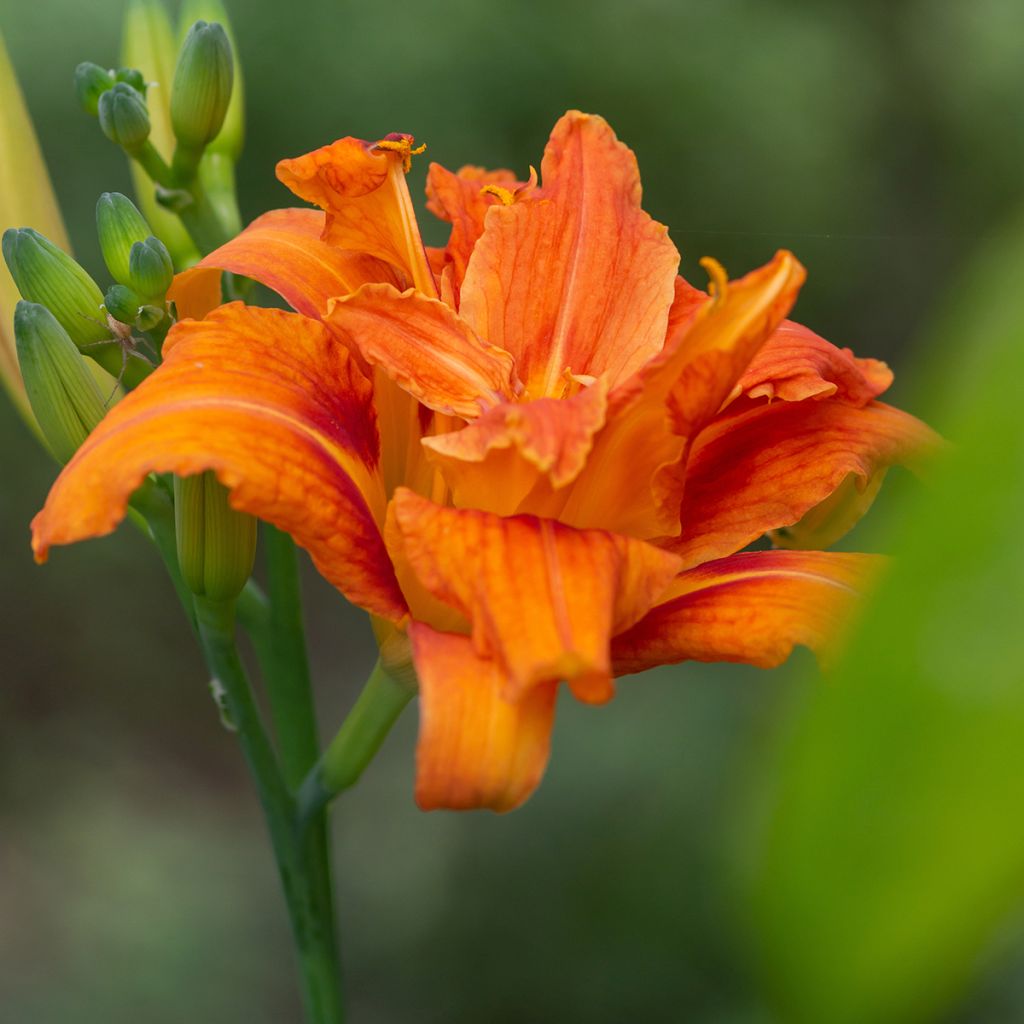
{"points": [[46, 274], [62, 389], [228, 142], [123, 303], [202, 85], [119, 226], [148, 44], [149, 316], [150, 268], [91, 82], [124, 117], [833, 518], [134, 78], [216, 544]]}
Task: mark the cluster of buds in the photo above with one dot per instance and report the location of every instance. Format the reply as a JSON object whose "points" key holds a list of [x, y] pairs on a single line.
{"points": [[79, 348], [137, 260], [182, 131], [78, 313]]}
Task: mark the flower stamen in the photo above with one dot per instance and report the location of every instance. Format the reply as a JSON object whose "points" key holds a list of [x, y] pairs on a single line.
{"points": [[719, 284], [402, 144]]}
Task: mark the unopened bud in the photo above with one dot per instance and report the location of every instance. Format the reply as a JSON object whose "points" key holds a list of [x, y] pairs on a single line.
{"points": [[91, 82], [833, 518], [122, 303], [149, 45], [150, 268], [133, 77], [119, 226], [127, 306], [61, 387], [216, 544], [202, 85], [124, 117], [228, 142], [47, 275]]}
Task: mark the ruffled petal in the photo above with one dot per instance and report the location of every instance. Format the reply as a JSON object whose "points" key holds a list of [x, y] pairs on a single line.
{"points": [[766, 468], [580, 280], [514, 456], [475, 748], [541, 599], [282, 250], [459, 198], [425, 348], [275, 405], [753, 608], [361, 187], [795, 364], [633, 478]]}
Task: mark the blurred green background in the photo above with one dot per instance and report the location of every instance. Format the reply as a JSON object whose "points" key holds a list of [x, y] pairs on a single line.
{"points": [[883, 143]]}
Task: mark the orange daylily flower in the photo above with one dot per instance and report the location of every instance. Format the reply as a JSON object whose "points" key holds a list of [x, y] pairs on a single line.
{"points": [[538, 451]]}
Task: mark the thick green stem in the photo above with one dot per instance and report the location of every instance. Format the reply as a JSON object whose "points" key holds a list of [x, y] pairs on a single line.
{"points": [[360, 737], [285, 664], [200, 219], [294, 849]]}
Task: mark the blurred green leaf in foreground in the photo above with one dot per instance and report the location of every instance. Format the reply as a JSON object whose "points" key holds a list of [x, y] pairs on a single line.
{"points": [[893, 842]]}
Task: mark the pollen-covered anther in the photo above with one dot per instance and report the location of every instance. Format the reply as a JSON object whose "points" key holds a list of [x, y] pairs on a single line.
{"points": [[719, 286], [508, 196], [402, 144]]}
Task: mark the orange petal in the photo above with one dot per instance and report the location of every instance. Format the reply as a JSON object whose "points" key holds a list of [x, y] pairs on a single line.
{"points": [[632, 480], [282, 249], [425, 348], [795, 363], [195, 292], [764, 469], [475, 748], [276, 406], [753, 608], [361, 187], [724, 336], [460, 200], [514, 449], [582, 279], [542, 599]]}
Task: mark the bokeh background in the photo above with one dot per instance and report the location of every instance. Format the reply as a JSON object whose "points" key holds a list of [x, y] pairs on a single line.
{"points": [[882, 142]]}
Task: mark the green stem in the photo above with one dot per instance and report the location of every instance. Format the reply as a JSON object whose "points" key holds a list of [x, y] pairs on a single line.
{"points": [[201, 221], [154, 164], [285, 663], [287, 667], [293, 849], [382, 700], [154, 505]]}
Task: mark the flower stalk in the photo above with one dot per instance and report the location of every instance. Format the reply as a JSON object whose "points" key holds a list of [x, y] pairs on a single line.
{"points": [[295, 849]]}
